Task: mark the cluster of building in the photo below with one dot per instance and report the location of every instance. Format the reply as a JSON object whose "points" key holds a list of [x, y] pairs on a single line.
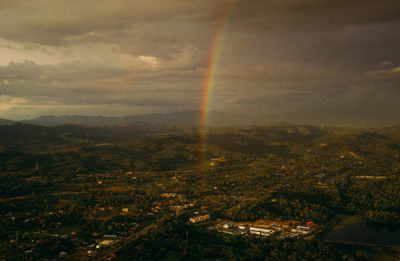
{"points": [[281, 229], [170, 201]]}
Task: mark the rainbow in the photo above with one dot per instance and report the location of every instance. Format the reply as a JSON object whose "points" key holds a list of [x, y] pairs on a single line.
{"points": [[210, 75]]}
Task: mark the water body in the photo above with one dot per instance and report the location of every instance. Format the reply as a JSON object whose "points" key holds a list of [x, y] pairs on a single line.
{"points": [[360, 233]]}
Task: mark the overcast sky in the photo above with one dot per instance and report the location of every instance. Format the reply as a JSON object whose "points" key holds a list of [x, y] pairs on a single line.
{"points": [[125, 57]]}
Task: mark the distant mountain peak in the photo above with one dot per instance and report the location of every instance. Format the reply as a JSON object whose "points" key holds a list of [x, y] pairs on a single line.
{"points": [[4, 122]]}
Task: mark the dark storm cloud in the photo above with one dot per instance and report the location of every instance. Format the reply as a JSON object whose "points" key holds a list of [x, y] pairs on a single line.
{"points": [[312, 14], [46, 22], [124, 57]]}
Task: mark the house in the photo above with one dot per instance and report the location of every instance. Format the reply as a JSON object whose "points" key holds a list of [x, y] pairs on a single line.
{"points": [[199, 218]]}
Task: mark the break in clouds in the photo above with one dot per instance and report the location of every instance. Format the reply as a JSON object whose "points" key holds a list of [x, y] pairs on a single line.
{"points": [[127, 57]]}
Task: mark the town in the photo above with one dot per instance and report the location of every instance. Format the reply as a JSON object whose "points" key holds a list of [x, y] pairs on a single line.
{"points": [[90, 202]]}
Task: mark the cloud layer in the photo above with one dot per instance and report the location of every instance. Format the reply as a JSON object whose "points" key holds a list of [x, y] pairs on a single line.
{"points": [[126, 57]]}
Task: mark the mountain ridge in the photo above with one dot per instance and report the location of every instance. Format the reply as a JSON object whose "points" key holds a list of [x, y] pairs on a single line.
{"points": [[333, 118]]}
